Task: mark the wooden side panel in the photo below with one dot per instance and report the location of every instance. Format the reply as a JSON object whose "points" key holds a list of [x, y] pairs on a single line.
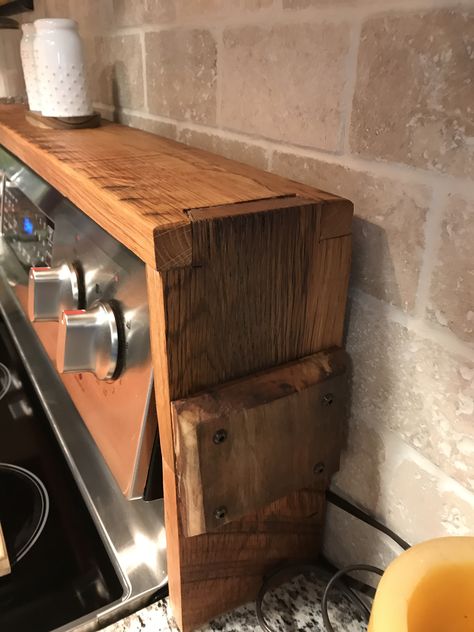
{"points": [[224, 569], [245, 444], [212, 573], [264, 290]]}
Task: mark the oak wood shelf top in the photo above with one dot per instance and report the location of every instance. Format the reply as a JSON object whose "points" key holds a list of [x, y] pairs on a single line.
{"points": [[142, 188]]}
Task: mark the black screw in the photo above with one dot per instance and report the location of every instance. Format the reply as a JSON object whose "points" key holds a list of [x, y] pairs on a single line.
{"points": [[220, 436], [220, 513], [318, 468], [327, 399]]}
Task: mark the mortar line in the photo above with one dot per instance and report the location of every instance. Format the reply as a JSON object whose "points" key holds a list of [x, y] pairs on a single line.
{"points": [[428, 330], [219, 36], [349, 88], [144, 72], [432, 235], [276, 15]]}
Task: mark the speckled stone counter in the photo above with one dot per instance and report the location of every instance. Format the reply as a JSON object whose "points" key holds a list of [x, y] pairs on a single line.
{"points": [[294, 607]]}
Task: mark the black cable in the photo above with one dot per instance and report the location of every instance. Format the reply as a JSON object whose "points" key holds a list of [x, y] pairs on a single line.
{"points": [[353, 510], [337, 577], [291, 570]]}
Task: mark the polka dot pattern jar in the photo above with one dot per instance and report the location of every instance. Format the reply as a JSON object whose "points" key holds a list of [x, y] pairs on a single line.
{"points": [[60, 69], [29, 66]]}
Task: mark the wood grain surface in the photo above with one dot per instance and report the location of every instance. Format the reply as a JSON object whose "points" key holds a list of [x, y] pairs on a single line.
{"points": [[267, 286], [211, 573], [245, 444], [138, 186], [264, 289]]}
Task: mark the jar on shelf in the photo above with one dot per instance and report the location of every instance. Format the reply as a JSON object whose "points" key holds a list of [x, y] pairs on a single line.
{"points": [[12, 87], [29, 66], [60, 69]]}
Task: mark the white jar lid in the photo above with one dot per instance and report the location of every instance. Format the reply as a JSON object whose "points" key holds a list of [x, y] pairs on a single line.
{"points": [[48, 24]]}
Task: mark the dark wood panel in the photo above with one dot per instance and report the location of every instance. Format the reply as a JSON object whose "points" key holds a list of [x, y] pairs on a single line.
{"points": [[264, 290], [247, 443]]}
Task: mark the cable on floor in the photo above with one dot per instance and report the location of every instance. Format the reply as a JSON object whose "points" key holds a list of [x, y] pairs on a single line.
{"points": [[340, 578]]}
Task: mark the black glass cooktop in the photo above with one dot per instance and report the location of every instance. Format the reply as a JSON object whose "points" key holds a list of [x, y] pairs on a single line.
{"points": [[60, 569]]}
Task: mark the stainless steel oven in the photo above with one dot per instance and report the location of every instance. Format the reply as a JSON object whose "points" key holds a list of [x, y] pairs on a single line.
{"points": [[73, 303]]}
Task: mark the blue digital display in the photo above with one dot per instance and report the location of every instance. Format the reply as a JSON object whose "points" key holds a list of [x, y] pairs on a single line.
{"points": [[28, 227]]}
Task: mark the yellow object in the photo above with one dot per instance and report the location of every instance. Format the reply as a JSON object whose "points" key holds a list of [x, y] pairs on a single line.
{"points": [[429, 588]]}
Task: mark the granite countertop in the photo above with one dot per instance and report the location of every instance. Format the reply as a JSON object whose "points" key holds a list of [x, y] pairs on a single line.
{"points": [[294, 607]]}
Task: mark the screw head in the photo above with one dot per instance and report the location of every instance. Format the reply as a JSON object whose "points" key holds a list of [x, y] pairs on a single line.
{"points": [[220, 513], [327, 399], [318, 468], [220, 436]]}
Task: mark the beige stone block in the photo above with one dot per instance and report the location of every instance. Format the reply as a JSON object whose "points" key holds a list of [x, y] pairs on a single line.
{"points": [[388, 478], [181, 74], [414, 387], [135, 13], [55, 8], [388, 227], [92, 16], [452, 287], [304, 4], [116, 70], [228, 147], [414, 93], [161, 128], [332, 4], [285, 82], [198, 9]]}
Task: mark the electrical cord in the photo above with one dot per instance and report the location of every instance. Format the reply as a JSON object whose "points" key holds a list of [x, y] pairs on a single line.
{"points": [[353, 510], [335, 578], [340, 577]]}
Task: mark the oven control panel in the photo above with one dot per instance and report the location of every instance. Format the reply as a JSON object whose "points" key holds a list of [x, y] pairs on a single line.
{"points": [[28, 231], [86, 297]]}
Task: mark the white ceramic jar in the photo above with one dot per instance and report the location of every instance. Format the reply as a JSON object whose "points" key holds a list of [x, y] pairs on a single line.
{"points": [[29, 66], [60, 69]]}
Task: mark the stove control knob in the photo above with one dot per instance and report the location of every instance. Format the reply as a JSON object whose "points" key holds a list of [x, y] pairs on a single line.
{"points": [[51, 290], [88, 341]]}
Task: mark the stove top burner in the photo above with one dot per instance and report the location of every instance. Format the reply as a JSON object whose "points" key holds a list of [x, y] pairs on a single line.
{"points": [[60, 569], [24, 509]]}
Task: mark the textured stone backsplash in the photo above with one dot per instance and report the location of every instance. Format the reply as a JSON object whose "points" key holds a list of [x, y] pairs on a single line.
{"points": [[373, 100]]}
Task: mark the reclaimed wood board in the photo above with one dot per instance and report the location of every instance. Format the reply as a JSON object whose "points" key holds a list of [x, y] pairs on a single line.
{"points": [[264, 289], [214, 572], [139, 187], [246, 272], [245, 444]]}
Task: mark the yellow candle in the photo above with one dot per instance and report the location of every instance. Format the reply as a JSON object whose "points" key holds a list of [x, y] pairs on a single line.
{"points": [[429, 588]]}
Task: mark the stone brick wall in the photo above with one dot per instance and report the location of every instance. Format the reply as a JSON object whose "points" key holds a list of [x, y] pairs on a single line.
{"points": [[373, 100]]}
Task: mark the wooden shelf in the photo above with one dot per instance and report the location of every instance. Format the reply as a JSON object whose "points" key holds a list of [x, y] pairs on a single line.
{"points": [[141, 188], [247, 277]]}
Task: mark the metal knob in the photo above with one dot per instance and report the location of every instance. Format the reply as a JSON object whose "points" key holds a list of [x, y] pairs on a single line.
{"points": [[88, 341], [52, 290]]}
